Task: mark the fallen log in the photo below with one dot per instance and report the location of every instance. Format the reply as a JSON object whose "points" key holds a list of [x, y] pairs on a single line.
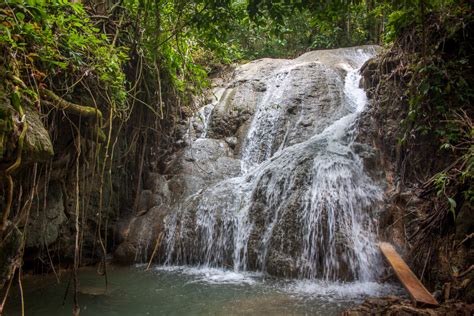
{"points": [[410, 282]]}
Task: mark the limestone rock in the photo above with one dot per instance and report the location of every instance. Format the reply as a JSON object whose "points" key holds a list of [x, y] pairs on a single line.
{"points": [[141, 235]]}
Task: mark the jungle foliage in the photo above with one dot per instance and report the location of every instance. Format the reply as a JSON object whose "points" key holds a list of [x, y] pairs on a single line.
{"points": [[429, 63]]}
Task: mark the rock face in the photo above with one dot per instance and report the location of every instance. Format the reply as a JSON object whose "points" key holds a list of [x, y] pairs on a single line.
{"points": [[44, 226], [271, 178]]}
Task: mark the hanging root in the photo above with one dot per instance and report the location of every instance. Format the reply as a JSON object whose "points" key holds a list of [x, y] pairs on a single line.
{"points": [[21, 140], [76, 308], [6, 211], [22, 297], [87, 112]]}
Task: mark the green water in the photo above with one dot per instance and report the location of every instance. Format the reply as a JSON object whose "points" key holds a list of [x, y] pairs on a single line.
{"points": [[187, 291]]}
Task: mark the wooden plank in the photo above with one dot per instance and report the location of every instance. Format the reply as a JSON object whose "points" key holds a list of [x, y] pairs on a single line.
{"points": [[410, 282]]}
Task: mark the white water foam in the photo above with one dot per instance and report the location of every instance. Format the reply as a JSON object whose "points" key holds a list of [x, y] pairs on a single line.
{"points": [[340, 290], [305, 289], [213, 275]]}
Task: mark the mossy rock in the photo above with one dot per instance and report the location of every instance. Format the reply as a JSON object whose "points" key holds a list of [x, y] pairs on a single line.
{"points": [[38, 145]]}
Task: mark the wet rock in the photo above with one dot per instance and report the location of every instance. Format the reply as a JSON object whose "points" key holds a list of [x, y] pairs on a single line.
{"points": [[205, 162], [293, 109], [185, 185], [159, 187], [148, 199], [145, 201], [281, 264], [141, 236], [371, 160], [155, 182], [231, 141], [126, 253], [202, 151]]}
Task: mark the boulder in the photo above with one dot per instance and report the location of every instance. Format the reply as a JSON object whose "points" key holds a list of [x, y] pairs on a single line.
{"points": [[141, 235]]}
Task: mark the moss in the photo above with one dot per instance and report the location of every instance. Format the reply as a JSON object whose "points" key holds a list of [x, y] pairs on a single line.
{"points": [[6, 122], [37, 143]]}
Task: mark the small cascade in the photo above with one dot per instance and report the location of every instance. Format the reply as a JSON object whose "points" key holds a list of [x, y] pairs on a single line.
{"points": [[203, 115], [262, 131], [303, 205]]}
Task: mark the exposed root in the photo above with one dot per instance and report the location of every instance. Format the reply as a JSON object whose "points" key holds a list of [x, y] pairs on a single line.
{"points": [[21, 140], [80, 110], [22, 297], [76, 308]]}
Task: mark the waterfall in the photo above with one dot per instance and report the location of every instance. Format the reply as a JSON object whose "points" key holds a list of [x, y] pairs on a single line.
{"points": [[302, 205]]}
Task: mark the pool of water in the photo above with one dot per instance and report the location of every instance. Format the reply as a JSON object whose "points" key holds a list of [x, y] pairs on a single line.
{"points": [[188, 291]]}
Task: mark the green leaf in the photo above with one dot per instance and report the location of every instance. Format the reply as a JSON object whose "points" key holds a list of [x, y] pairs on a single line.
{"points": [[20, 16]]}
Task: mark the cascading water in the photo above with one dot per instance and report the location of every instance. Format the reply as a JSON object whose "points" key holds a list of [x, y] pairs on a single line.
{"points": [[303, 204]]}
